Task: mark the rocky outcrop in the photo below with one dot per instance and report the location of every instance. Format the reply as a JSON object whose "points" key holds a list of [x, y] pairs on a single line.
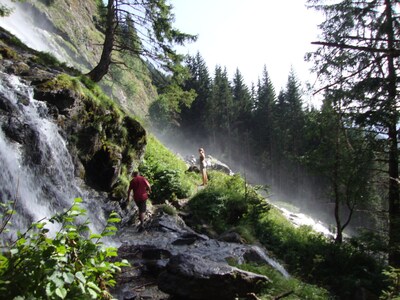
{"points": [[192, 277], [211, 162]]}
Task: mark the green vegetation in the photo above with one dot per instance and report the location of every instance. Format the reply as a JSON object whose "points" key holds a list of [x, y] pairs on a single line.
{"points": [[290, 288], [48, 59], [8, 53], [71, 263], [169, 209], [226, 202]]}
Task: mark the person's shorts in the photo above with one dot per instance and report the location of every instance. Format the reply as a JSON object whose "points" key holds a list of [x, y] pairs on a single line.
{"points": [[141, 206]]}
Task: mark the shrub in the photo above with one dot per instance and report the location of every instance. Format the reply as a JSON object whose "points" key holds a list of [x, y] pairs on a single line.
{"points": [[74, 264], [227, 201], [169, 209]]}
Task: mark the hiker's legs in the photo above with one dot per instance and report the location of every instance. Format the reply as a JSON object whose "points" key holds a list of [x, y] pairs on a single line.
{"points": [[205, 178], [142, 210], [141, 217]]}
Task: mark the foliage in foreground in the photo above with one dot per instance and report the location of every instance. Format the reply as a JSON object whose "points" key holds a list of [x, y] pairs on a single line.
{"points": [[74, 264]]}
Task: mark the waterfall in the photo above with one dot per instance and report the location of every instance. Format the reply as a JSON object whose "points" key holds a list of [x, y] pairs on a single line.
{"points": [[37, 168], [22, 24]]}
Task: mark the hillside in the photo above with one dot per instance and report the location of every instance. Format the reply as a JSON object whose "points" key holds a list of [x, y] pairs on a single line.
{"points": [[68, 30]]}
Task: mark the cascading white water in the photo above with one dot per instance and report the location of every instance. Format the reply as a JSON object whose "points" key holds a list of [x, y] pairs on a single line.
{"points": [[43, 182], [21, 24]]}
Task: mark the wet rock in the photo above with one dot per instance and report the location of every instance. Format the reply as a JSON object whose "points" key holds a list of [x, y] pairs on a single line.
{"points": [[188, 239], [192, 277], [63, 99], [215, 164]]}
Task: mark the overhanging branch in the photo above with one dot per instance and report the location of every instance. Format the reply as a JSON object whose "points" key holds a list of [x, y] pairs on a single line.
{"points": [[392, 52]]}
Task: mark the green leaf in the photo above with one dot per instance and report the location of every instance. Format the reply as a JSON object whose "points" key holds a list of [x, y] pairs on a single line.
{"points": [[39, 225], [61, 292], [94, 286], [68, 277], [21, 241], [80, 277], [111, 228], [114, 220], [95, 236], [61, 250], [111, 252], [114, 215], [49, 290], [58, 282], [92, 293], [108, 233]]}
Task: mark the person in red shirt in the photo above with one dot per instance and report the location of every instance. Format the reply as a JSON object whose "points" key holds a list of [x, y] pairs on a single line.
{"points": [[141, 189]]}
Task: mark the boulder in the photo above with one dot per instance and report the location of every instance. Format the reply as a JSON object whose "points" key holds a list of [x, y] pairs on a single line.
{"points": [[189, 276], [211, 162]]}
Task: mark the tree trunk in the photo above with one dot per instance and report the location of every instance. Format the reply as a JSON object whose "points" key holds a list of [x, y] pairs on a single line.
{"points": [[339, 234], [394, 199], [102, 67]]}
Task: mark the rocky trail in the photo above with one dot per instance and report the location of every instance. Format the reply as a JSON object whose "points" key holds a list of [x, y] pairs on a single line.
{"points": [[169, 260]]}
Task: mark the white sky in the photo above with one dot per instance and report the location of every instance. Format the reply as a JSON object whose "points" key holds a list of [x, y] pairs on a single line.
{"points": [[250, 34]]}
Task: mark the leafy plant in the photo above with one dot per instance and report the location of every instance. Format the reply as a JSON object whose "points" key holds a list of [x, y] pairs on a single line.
{"points": [[393, 289], [227, 201], [74, 264]]}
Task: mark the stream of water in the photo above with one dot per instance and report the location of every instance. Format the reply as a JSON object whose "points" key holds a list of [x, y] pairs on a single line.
{"points": [[37, 169]]}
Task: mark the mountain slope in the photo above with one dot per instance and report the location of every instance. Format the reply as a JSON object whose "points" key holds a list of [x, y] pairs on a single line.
{"points": [[68, 30]]}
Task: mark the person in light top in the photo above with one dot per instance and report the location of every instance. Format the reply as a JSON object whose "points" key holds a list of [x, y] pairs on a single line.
{"points": [[203, 166]]}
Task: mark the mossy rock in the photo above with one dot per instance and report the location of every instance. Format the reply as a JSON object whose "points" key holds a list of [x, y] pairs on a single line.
{"points": [[8, 53]]}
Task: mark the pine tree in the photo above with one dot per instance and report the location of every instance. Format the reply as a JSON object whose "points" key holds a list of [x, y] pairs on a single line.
{"points": [[289, 121], [263, 117], [241, 118], [193, 117], [220, 112]]}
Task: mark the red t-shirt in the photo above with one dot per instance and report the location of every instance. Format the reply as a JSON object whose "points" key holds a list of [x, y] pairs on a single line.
{"points": [[139, 186]]}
